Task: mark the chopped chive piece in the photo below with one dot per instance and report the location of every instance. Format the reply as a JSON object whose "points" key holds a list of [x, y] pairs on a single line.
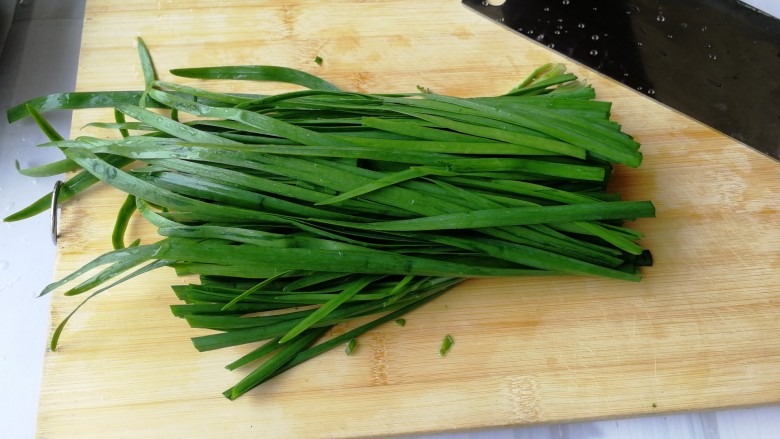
{"points": [[318, 60], [446, 344], [400, 322], [351, 345]]}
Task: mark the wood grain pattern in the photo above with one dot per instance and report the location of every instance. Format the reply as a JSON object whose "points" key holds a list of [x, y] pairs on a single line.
{"points": [[699, 332]]}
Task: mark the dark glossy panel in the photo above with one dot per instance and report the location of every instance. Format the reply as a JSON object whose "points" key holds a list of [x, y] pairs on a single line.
{"points": [[717, 61]]}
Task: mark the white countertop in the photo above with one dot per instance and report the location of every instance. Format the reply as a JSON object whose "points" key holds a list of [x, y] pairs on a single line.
{"points": [[40, 57]]}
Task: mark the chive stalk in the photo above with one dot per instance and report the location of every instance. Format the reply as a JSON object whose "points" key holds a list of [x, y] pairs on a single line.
{"points": [[304, 210]]}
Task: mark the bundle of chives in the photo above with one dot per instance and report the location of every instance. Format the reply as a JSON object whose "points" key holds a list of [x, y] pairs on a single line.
{"points": [[302, 210]]}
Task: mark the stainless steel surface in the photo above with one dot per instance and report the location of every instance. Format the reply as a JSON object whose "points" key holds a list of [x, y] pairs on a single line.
{"points": [[41, 57], [771, 7], [6, 16]]}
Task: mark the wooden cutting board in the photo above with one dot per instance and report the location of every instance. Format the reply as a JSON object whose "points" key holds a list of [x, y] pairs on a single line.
{"points": [[700, 331]]}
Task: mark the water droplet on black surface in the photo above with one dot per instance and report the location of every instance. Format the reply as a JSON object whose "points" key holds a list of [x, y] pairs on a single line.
{"points": [[594, 52], [581, 25], [565, 2], [594, 37], [704, 28], [650, 91], [660, 18]]}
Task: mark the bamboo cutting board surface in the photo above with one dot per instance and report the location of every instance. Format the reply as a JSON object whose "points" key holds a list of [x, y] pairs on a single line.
{"points": [[699, 332]]}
